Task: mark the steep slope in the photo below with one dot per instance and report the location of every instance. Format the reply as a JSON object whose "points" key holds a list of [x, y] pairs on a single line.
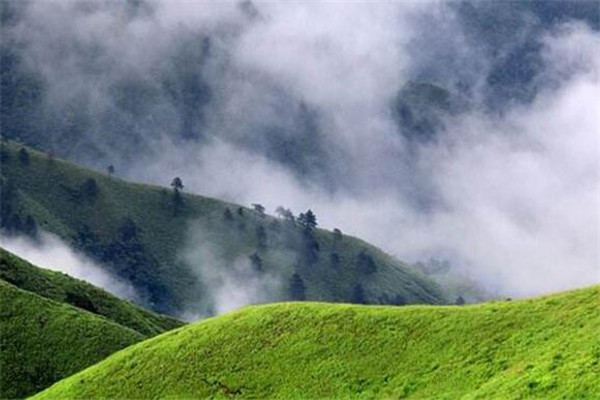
{"points": [[43, 341], [63, 288], [52, 325], [545, 348], [139, 233]]}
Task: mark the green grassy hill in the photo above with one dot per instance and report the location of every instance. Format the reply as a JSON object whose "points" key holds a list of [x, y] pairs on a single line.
{"points": [[139, 232], [46, 333], [545, 348], [63, 288], [43, 341]]}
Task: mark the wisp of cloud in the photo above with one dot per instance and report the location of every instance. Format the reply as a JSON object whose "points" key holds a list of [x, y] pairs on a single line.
{"points": [[49, 252]]}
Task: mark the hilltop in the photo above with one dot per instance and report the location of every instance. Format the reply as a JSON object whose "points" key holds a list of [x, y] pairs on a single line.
{"points": [[544, 348], [140, 233], [53, 325]]}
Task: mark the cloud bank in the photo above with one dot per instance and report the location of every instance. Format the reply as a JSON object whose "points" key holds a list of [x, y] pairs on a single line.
{"points": [[292, 104]]}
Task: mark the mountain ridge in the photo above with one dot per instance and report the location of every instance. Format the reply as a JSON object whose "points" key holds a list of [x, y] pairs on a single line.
{"points": [[139, 232]]}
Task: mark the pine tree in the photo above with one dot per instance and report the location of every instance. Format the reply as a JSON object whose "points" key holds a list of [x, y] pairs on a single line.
{"points": [[337, 234], [260, 209], [90, 188], [297, 288], [261, 237], [256, 262], [227, 215], [358, 294], [24, 156], [177, 186], [307, 220], [30, 226], [286, 214], [365, 263]]}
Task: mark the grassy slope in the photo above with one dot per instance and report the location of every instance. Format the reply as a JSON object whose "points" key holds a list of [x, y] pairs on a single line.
{"points": [[43, 341], [45, 190], [63, 288], [47, 332], [545, 348]]}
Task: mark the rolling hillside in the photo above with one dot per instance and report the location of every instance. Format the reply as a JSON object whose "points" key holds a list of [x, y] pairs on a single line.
{"points": [[44, 341], [65, 289], [545, 348], [47, 332], [139, 233]]}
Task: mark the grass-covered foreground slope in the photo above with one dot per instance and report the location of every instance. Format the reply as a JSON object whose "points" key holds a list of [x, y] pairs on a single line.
{"points": [[142, 234], [63, 288], [546, 348], [52, 325], [43, 341]]}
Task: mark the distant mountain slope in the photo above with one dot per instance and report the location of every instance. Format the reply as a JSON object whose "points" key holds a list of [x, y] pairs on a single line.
{"points": [[420, 108], [63, 288], [545, 348], [44, 341], [139, 232], [47, 332]]}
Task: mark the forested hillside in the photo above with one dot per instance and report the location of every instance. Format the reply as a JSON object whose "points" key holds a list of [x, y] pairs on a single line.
{"points": [[148, 235]]}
